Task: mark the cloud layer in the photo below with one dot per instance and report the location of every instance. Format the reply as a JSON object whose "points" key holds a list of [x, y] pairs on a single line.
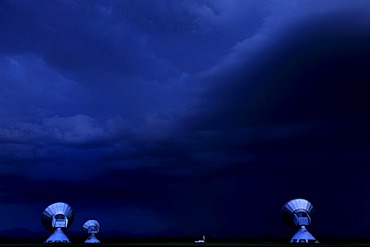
{"points": [[163, 113]]}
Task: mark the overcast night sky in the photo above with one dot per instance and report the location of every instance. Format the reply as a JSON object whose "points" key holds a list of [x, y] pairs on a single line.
{"points": [[189, 117]]}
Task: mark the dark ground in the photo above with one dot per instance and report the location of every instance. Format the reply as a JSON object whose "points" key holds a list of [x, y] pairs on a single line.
{"points": [[184, 242]]}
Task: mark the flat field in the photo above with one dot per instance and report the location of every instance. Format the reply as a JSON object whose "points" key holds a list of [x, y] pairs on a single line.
{"points": [[182, 244]]}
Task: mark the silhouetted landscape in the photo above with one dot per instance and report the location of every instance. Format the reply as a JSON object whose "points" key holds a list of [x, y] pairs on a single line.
{"points": [[24, 237]]}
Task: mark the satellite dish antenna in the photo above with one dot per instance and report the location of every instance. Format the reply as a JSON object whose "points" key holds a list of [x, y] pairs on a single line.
{"points": [[91, 227], [297, 213], [55, 218]]}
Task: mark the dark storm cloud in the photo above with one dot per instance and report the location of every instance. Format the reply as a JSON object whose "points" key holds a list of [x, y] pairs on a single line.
{"points": [[313, 78], [99, 53], [61, 33], [109, 58], [181, 111], [110, 37], [299, 105]]}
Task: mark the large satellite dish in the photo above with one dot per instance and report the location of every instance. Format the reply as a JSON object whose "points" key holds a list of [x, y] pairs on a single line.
{"points": [[91, 227], [55, 218], [297, 213]]}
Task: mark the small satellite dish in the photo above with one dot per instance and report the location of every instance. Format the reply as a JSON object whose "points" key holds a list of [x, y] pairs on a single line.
{"points": [[297, 213], [55, 218], [91, 227]]}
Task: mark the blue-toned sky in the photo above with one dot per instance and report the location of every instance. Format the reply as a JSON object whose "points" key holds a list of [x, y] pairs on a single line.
{"points": [[190, 117]]}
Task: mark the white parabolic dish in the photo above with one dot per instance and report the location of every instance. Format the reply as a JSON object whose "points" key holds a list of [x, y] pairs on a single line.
{"points": [[55, 218]]}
